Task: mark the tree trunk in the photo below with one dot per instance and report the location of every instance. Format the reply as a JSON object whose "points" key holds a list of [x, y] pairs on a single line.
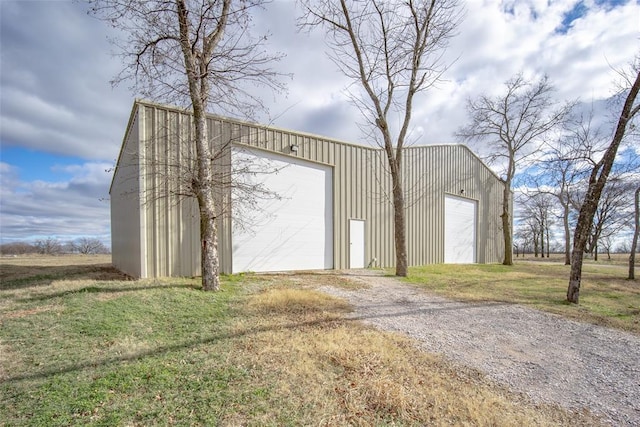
{"points": [[592, 197], [634, 245], [548, 246], [581, 235], [542, 239], [399, 226], [206, 203], [197, 67], [567, 236], [209, 249], [575, 276], [506, 224], [595, 252]]}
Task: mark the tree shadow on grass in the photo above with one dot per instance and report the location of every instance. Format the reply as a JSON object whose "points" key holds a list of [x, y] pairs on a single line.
{"points": [[103, 278], [14, 277], [159, 350], [143, 286], [167, 348]]}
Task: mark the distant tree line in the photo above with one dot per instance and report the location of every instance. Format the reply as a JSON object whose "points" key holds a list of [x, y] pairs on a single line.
{"points": [[565, 166], [542, 219], [547, 152], [53, 246]]}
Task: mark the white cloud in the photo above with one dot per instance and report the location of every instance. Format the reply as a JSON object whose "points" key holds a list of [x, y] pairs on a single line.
{"points": [[65, 210], [496, 40], [56, 66], [315, 101], [493, 45]]}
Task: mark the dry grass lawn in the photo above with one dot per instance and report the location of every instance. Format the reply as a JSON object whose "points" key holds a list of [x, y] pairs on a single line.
{"points": [[330, 371]]}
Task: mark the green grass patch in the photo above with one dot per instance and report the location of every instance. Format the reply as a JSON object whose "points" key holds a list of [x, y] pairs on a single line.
{"points": [[132, 354], [606, 297]]}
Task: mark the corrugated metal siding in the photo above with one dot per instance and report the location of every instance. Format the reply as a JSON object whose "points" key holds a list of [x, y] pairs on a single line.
{"points": [[361, 190], [125, 205], [430, 173], [170, 219]]}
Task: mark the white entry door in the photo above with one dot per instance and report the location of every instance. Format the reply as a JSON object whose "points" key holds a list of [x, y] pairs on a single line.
{"points": [[459, 230], [356, 243]]}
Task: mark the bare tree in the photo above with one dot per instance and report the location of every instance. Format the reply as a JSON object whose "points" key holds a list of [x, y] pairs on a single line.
{"points": [[611, 215], [17, 248], [541, 207], [518, 246], [513, 126], [622, 248], [598, 179], [523, 240], [48, 246], [89, 246], [606, 242], [636, 232], [392, 51], [197, 53], [529, 235], [535, 233], [536, 220], [561, 171], [563, 168]]}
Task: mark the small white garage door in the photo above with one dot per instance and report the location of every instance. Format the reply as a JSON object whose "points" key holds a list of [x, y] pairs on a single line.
{"points": [[459, 230], [293, 231]]}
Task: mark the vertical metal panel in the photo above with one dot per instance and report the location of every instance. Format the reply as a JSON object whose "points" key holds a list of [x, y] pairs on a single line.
{"points": [[448, 169], [362, 190], [171, 244], [147, 181], [125, 204]]}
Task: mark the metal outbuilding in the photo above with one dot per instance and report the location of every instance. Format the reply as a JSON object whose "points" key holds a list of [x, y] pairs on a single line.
{"points": [[330, 209]]}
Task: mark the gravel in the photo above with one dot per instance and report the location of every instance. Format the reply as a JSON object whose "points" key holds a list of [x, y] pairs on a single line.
{"points": [[549, 358]]}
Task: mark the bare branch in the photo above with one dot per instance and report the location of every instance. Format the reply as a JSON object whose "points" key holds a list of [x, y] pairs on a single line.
{"points": [[391, 51], [198, 54], [598, 179], [514, 126]]}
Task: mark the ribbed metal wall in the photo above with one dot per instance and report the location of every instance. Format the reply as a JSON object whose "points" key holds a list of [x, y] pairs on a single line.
{"points": [[170, 218], [430, 173], [355, 191], [126, 230], [361, 190]]}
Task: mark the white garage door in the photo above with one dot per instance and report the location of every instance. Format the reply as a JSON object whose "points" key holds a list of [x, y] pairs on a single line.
{"points": [[293, 231], [459, 230]]}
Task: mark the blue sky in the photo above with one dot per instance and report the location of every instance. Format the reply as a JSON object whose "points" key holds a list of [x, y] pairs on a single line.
{"points": [[32, 165], [61, 122]]}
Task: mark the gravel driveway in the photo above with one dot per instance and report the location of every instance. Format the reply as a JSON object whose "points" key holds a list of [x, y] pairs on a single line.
{"points": [[549, 358]]}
